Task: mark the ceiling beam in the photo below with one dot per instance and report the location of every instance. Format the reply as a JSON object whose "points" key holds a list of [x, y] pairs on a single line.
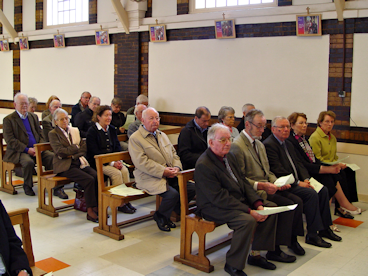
{"points": [[8, 26], [122, 14], [340, 6]]}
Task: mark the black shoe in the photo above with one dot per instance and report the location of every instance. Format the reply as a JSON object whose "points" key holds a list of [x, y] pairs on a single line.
{"points": [[171, 224], [343, 214], [125, 209], [297, 249], [281, 257], [131, 206], [78, 187], [161, 222], [317, 241], [59, 192], [28, 190], [233, 271], [329, 235], [261, 262], [92, 219]]}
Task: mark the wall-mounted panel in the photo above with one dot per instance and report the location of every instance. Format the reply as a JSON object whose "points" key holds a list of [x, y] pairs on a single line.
{"points": [[6, 75], [277, 74], [67, 72]]}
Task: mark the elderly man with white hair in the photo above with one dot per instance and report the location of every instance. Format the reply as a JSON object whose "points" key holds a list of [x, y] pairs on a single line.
{"points": [[133, 127], [21, 131], [156, 167]]}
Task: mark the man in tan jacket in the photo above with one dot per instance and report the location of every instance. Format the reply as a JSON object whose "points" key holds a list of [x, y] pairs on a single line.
{"points": [[156, 167]]}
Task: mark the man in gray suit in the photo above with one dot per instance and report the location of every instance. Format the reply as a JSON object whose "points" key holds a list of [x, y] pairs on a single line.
{"points": [[21, 131], [252, 159]]}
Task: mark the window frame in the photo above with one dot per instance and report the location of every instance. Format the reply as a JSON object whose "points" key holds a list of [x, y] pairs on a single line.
{"points": [[192, 8], [45, 26]]}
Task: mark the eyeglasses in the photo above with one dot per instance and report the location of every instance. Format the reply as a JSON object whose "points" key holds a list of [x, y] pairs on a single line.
{"points": [[282, 127], [154, 118], [224, 140], [259, 127]]}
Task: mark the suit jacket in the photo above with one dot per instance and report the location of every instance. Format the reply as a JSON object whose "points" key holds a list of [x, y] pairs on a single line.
{"points": [[219, 197], [191, 144], [47, 126], [253, 169], [150, 159], [83, 121], [64, 151], [11, 246], [279, 162], [16, 137], [118, 120]]}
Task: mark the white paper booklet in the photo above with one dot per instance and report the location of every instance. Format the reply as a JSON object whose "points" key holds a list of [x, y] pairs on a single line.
{"points": [[275, 210], [129, 119], [354, 167], [123, 190], [335, 162], [49, 274], [317, 186], [284, 180]]}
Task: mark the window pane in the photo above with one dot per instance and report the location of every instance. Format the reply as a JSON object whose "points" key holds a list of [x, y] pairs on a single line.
{"points": [[60, 20], [200, 4], [60, 6], [66, 5], [221, 3], [72, 16], [72, 4], [255, 1], [267, 1], [66, 17], [210, 3], [78, 11], [85, 6], [55, 12], [232, 2], [243, 2]]}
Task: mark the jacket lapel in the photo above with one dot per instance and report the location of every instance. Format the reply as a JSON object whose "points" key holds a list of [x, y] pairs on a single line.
{"points": [[250, 148], [61, 134], [20, 123]]}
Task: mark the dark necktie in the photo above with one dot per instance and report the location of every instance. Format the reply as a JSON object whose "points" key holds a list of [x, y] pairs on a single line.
{"points": [[255, 148], [291, 161], [228, 168]]}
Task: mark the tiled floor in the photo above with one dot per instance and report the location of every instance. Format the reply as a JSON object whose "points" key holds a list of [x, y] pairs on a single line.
{"points": [[70, 239]]}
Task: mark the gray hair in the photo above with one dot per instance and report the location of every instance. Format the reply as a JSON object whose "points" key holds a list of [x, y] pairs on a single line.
{"points": [[18, 95], [277, 118], [53, 102], [137, 107], [245, 107], [145, 112], [224, 110], [54, 116], [94, 97], [212, 131], [251, 114], [85, 93], [141, 99], [32, 100], [202, 110]]}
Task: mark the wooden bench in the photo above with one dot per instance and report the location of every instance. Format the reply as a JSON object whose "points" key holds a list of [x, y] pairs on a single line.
{"points": [[47, 180], [6, 169], [191, 223], [106, 199], [21, 217]]}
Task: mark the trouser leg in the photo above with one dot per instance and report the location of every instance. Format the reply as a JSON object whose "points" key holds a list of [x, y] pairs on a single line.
{"points": [[27, 162], [169, 199]]}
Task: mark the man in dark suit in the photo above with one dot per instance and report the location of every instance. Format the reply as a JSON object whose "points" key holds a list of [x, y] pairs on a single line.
{"points": [[81, 105], [83, 120], [192, 141], [13, 260], [252, 159], [223, 196], [21, 131], [284, 161]]}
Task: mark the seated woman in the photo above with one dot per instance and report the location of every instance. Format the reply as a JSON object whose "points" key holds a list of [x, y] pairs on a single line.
{"points": [[69, 160], [226, 116], [327, 175], [47, 111], [102, 138]]}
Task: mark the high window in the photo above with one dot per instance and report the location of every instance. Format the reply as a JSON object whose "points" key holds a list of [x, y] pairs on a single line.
{"points": [[213, 5], [60, 12]]}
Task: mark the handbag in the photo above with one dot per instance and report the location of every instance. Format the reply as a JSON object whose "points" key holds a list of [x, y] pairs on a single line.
{"points": [[80, 201]]}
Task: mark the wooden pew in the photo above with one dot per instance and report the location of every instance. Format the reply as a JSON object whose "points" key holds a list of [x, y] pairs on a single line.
{"points": [[106, 199], [191, 223], [47, 180], [6, 169], [21, 217]]}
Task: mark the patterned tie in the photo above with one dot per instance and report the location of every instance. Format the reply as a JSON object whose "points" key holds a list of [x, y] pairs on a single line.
{"points": [[228, 168], [255, 148], [291, 161]]}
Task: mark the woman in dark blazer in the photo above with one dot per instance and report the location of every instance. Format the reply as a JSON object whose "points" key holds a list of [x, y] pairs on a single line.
{"points": [[69, 160], [101, 139], [327, 175]]}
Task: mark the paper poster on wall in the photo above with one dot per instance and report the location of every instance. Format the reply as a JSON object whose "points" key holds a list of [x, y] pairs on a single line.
{"points": [[4, 45], [23, 43], [309, 25], [225, 28]]}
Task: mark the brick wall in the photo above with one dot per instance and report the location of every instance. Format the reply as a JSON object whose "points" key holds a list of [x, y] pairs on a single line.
{"points": [[39, 14], [92, 11], [182, 7], [18, 15], [149, 9]]}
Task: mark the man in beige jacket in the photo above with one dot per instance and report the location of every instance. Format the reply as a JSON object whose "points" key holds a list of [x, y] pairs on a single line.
{"points": [[156, 167]]}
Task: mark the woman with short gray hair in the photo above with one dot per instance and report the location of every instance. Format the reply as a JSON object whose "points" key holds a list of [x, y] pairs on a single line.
{"points": [[226, 116]]}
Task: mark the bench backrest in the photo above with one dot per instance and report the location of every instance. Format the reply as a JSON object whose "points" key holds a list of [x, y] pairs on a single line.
{"points": [[124, 137], [39, 148], [2, 149], [183, 178]]}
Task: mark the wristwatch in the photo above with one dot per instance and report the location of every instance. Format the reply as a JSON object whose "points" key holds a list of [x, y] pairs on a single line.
{"points": [[18, 271]]}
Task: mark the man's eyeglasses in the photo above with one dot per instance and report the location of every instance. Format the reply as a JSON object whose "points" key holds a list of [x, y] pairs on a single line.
{"points": [[282, 127], [259, 127], [224, 140]]}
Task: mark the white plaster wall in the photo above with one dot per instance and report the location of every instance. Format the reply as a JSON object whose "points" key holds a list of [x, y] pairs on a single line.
{"points": [[105, 12], [8, 9], [29, 15], [6, 75], [164, 8]]}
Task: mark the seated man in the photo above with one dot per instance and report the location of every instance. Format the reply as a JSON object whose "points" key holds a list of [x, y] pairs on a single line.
{"points": [[21, 131], [133, 127], [81, 105], [224, 196], [192, 141], [284, 161], [118, 120], [83, 120], [13, 260], [156, 167], [252, 159], [141, 99], [47, 121]]}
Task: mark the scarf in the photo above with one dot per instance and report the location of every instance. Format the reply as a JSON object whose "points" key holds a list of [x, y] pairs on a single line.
{"points": [[306, 147]]}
